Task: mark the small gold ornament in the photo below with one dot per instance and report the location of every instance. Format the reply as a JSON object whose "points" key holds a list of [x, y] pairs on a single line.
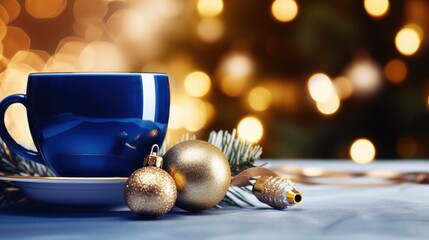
{"points": [[201, 172], [150, 191], [278, 192]]}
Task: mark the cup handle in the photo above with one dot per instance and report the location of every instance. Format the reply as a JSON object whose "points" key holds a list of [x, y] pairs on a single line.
{"points": [[10, 142]]}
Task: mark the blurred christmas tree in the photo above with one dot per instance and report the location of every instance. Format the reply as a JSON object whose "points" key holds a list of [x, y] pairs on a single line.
{"points": [[245, 64]]}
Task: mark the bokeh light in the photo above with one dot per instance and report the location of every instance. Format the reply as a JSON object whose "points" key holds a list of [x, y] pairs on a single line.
{"points": [[408, 40], [237, 65], [178, 65], [3, 30], [27, 60], [67, 57], [4, 16], [138, 31], [417, 28], [343, 87], [259, 98], [10, 10], [396, 70], [329, 106], [247, 54], [14, 80], [284, 10], [250, 129], [15, 40], [197, 84], [71, 48], [407, 147], [89, 12], [209, 8], [235, 71], [362, 151], [194, 114], [102, 56], [127, 25], [320, 87], [365, 75], [210, 29], [233, 86], [286, 95], [189, 114], [45, 8], [169, 8], [57, 63], [93, 32], [376, 8], [174, 121]]}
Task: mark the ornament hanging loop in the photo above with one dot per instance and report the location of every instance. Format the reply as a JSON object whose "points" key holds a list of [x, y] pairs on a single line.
{"points": [[152, 149], [153, 160]]}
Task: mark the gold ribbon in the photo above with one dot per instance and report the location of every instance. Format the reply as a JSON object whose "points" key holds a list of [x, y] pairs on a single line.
{"points": [[315, 176], [243, 178], [312, 176]]}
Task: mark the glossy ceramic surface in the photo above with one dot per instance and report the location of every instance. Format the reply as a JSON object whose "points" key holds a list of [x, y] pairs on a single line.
{"points": [[72, 191], [93, 124]]}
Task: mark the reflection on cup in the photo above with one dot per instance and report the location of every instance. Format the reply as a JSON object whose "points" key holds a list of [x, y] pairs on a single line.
{"points": [[92, 124]]}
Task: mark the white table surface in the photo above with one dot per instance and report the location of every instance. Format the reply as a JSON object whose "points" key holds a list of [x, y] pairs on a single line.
{"points": [[327, 212]]}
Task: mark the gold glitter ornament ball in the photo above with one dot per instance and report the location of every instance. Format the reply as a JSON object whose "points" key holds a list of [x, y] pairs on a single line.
{"points": [[150, 192], [201, 172]]}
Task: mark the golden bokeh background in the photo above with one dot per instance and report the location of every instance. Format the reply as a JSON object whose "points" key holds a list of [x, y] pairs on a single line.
{"points": [[305, 79]]}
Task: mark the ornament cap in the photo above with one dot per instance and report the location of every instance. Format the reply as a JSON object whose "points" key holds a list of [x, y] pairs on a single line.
{"points": [[276, 191], [153, 160], [293, 197]]}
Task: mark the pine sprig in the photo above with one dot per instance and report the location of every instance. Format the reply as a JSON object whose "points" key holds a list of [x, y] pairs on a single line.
{"points": [[241, 154], [12, 164], [9, 194]]}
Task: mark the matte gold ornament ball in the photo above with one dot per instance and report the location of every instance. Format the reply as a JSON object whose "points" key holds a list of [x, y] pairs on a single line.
{"points": [[150, 192], [201, 172]]}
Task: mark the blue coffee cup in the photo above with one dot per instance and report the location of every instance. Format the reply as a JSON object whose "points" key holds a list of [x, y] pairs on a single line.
{"points": [[92, 124]]}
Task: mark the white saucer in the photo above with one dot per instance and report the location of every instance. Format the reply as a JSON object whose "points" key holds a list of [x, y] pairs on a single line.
{"points": [[72, 191]]}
